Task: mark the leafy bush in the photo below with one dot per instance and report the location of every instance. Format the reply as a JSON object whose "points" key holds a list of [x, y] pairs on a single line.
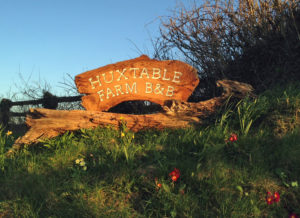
{"points": [[257, 42]]}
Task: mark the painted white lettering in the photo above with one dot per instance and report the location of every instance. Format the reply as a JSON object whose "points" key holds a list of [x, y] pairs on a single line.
{"points": [[148, 88], [156, 73], [134, 71], [121, 74], [144, 72], [164, 77], [118, 89], [158, 89], [112, 77], [177, 75], [93, 82], [170, 91], [109, 92], [128, 88], [100, 93]]}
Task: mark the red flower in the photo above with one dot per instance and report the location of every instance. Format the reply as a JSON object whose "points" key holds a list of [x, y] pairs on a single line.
{"points": [[175, 174], [272, 198], [293, 215], [233, 137], [276, 197], [269, 198], [158, 185]]}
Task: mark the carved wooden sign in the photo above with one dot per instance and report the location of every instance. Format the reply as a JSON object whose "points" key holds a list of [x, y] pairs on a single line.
{"points": [[141, 78]]}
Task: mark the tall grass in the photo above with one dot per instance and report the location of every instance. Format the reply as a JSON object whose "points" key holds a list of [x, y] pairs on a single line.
{"points": [[109, 173]]}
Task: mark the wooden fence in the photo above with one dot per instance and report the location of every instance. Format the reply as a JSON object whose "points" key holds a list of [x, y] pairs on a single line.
{"points": [[48, 101]]}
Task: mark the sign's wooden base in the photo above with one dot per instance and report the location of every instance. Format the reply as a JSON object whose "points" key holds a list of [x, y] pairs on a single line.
{"points": [[46, 123]]}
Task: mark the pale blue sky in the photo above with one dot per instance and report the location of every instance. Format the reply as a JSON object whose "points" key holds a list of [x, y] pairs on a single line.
{"points": [[52, 38]]}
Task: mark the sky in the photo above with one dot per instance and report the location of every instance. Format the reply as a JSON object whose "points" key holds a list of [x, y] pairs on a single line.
{"points": [[44, 40]]}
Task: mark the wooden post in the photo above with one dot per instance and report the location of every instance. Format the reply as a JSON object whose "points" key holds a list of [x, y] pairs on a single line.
{"points": [[5, 106], [49, 101]]}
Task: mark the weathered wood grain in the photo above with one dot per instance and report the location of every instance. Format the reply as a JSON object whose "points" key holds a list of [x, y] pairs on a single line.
{"points": [[141, 78]]}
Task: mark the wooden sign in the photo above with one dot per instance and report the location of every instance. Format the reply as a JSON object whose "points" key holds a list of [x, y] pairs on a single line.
{"points": [[141, 78]]}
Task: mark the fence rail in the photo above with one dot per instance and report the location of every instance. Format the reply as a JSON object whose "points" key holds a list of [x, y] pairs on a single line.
{"points": [[48, 101]]}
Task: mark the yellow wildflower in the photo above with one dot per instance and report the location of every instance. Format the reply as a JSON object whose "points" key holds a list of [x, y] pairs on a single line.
{"points": [[77, 161], [82, 163], [122, 134], [9, 133]]}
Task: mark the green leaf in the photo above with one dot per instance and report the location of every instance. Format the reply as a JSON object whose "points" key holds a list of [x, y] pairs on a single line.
{"points": [[166, 188], [248, 127], [240, 188], [286, 184], [195, 142], [173, 213], [294, 184], [256, 211]]}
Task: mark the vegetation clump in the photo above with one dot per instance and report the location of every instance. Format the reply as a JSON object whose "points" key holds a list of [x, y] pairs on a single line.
{"points": [[237, 164]]}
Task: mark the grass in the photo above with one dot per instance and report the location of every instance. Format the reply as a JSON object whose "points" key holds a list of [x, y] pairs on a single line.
{"points": [[109, 173]]}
